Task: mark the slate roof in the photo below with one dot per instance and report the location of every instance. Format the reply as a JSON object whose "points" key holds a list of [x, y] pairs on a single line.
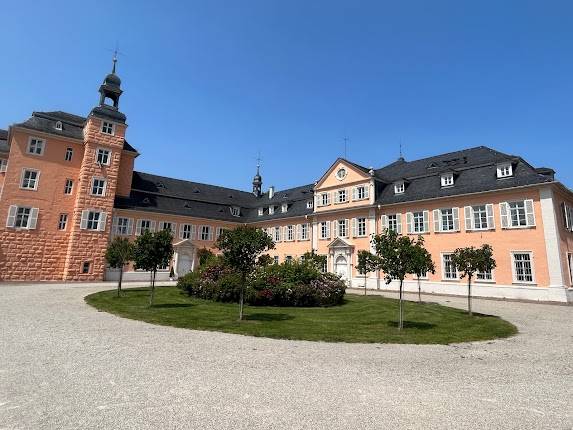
{"points": [[72, 125], [4, 141]]}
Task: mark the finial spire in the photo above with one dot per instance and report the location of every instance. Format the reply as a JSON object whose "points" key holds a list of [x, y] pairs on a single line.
{"points": [[346, 139], [114, 61]]}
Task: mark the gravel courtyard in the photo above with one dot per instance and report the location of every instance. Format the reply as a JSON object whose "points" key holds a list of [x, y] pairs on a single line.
{"points": [[64, 365]]}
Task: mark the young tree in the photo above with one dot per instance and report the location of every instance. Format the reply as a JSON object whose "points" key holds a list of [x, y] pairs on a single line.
{"points": [[468, 261], [422, 264], [119, 252], [152, 251], [240, 248], [366, 264], [395, 256]]}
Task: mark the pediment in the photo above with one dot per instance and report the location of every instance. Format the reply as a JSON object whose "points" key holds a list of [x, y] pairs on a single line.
{"points": [[340, 243], [354, 173], [184, 244]]}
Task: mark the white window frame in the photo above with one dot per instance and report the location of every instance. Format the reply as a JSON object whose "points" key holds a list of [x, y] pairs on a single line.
{"points": [[507, 219], [284, 207], [185, 231], [58, 125], [3, 165], [485, 281], [276, 234], [69, 154], [341, 196], [504, 170], [122, 226], [236, 211], [35, 182], [309, 204], [443, 214], [139, 229], [399, 187], [425, 222], [103, 152], [514, 269], [103, 188], [85, 220], [271, 210], [447, 180], [360, 189], [324, 230], [105, 125], [289, 233], [357, 223], [37, 141], [172, 226], [342, 227], [444, 278], [205, 233], [470, 217], [63, 222], [570, 263], [303, 231], [324, 199], [69, 182], [14, 216], [261, 211]]}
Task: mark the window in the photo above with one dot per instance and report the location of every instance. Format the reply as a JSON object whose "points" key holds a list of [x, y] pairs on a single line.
{"points": [[30, 179], [479, 217], [276, 259], [22, 217], [567, 212], [517, 214], [69, 186], [261, 211], [447, 180], [58, 125], [185, 232], [3, 165], [324, 266], [570, 261], [289, 233], [103, 156], [341, 174], [324, 199], [303, 232], [236, 211], [206, 233], [277, 234], [399, 188], [504, 170], [393, 223], [341, 196], [309, 204], [86, 267], [325, 230], [359, 227], [144, 225], [360, 193], [446, 220], [484, 276], [107, 127], [63, 221], [342, 228], [36, 146], [522, 267], [218, 232], [122, 226], [450, 271], [98, 186], [69, 154], [93, 220], [167, 225], [284, 207], [418, 222], [271, 210], [288, 258]]}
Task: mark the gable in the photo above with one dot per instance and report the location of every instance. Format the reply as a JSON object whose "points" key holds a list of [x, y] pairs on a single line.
{"points": [[353, 174]]}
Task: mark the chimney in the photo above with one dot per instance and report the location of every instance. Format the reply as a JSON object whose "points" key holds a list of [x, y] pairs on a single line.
{"points": [[271, 192]]}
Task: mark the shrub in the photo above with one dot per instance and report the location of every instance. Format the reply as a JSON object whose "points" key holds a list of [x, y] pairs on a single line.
{"points": [[292, 284]]}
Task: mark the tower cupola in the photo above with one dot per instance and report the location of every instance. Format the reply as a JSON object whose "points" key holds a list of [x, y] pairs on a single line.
{"points": [[110, 91], [258, 183]]}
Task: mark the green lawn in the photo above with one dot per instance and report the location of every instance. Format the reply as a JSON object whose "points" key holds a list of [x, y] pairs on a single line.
{"points": [[360, 319]]}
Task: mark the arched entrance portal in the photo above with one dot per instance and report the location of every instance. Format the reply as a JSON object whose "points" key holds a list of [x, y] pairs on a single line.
{"points": [[184, 257], [341, 267]]}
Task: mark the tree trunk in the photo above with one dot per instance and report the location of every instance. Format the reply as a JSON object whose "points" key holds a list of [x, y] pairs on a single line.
{"points": [[120, 279], [470, 295], [242, 297], [152, 288], [401, 322], [365, 283], [419, 291]]}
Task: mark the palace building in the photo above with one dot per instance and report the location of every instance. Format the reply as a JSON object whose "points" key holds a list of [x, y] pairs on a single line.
{"points": [[68, 186]]}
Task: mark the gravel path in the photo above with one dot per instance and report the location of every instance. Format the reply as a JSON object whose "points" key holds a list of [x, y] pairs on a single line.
{"points": [[64, 365]]}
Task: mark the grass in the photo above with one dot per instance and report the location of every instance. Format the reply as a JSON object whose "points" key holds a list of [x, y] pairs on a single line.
{"points": [[365, 319]]}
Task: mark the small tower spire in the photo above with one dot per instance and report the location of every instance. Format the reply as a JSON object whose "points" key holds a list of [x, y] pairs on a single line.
{"points": [[258, 180], [114, 61]]}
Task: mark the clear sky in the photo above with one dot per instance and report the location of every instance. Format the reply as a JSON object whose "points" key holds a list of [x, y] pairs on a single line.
{"points": [[209, 84]]}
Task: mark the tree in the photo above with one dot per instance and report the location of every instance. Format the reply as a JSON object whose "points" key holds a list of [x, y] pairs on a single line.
{"points": [[119, 252], [422, 264], [265, 260], [366, 263], [395, 257], [318, 261], [240, 248], [151, 252], [205, 256], [468, 261]]}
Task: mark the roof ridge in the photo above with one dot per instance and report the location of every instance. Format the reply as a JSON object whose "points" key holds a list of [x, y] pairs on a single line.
{"points": [[473, 148]]}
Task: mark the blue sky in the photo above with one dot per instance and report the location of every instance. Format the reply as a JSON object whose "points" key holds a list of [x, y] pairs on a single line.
{"points": [[209, 84]]}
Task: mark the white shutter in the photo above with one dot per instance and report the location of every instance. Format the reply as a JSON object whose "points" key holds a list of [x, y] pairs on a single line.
{"points": [[436, 215], [468, 214], [334, 229], [102, 220], [152, 226], [354, 193], [399, 223], [456, 212], [366, 191], [426, 221], [129, 226], [504, 213], [33, 219], [11, 220], [114, 223], [193, 232], [347, 225], [490, 219], [181, 231], [84, 219], [529, 213], [354, 227], [174, 229], [210, 233], [384, 222], [565, 211], [138, 227], [410, 222], [327, 229]]}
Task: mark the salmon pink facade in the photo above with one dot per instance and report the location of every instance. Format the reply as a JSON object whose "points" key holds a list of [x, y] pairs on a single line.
{"points": [[68, 186]]}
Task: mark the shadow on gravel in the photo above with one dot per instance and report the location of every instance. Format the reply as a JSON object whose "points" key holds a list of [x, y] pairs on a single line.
{"points": [[269, 317]]}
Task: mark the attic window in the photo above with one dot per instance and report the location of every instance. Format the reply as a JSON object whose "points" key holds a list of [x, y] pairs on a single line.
{"points": [[236, 211], [59, 125], [399, 187], [432, 165], [261, 211], [504, 170], [160, 185], [145, 201], [447, 179], [187, 204], [284, 207], [309, 204], [196, 190], [271, 210]]}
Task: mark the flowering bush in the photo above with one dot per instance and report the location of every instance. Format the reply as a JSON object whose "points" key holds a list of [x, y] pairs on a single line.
{"points": [[287, 284]]}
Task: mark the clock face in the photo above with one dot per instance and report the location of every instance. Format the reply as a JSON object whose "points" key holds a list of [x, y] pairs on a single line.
{"points": [[341, 173]]}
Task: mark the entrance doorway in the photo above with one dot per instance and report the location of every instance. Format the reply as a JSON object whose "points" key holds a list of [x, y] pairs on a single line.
{"points": [[341, 267]]}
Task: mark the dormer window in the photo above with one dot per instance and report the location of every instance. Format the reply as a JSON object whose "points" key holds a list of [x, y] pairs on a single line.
{"points": [[447, 180], [271, 210], [236, 211], [107, 127], [399, 187], [284, 207], [261, 211], [59, 125], [504, 170], [309, 204]]}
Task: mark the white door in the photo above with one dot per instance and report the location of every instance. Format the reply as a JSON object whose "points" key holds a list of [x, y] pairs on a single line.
{"points": [[183, 264], [341, 267]]}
